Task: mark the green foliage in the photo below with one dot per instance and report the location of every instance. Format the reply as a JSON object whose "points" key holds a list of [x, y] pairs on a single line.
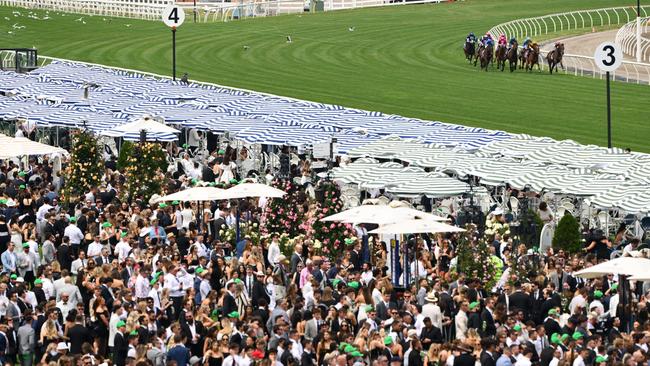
{"points": [[567, 235], [284, 215], [86, 167], [126, 150], [144, 171], [474, 259]]}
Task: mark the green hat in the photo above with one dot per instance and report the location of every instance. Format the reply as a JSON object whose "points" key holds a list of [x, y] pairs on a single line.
{"points": [[134, 333], [517, 328], [473, 305], [153, 281], [3, 201], [22, 173], [336, 282], [121, 323], [552, 312], [233, 181], [38, 281], [369, 308], [13, 276], [237, 281], [564, 337], [214, 312], [234, 314], [354, 285], [123, 234], [212, 184], [613, 288], [356, 354], [349, 241], [199, 270], [555, 338], [577, 335], [388, 340], [598, 294], [349, 348], [600, 359], [22, 186], [25, 245], [107, 224], [162, 205], [194, 180], [221, 151], [175, 202], [73, 219], [185, 146]]}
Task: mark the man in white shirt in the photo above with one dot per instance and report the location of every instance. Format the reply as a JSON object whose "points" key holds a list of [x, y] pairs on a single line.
{"points": [[123, 248], [65, 305], [175, 287], [274, 251], [200, 245], [78, 263], [432, 311], [461, 321], [75, 235], [142, 286], [204, 287], [95, 248], [233, 359]]}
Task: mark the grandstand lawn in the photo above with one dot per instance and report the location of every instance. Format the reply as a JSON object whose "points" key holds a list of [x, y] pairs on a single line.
{"points": [[404, 59]]}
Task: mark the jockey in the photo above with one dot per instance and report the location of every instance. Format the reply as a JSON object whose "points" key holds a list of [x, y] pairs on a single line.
{"points": [[502, 40], [471, 38], [511, 43], [527, 43]]}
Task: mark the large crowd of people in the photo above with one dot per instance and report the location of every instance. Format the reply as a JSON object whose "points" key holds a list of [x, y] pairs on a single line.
{"points": [[108, 282]]}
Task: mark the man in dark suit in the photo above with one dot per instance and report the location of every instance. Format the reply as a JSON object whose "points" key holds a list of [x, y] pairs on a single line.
{"points": [[104, 258], [465, 358], [64, 254], [383, 308], [229, 304], [106, 292], [487, 355], [192, 331], [120, 345], [430, 334], [78, 335], [259, 290], [551, 325], [521, 301], [488, 329]]}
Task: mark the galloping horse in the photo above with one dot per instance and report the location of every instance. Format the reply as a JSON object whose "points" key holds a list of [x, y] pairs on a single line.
{"points": [[532, 58], [554, 57], [511, 56], [500, 56], [485, 55], [470, 50]]}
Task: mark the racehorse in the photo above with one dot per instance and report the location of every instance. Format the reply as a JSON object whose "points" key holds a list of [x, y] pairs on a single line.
{"points": [[511, 56], [554, 57], [500, 56], [485, 55], [532, 58], [470, 51]]}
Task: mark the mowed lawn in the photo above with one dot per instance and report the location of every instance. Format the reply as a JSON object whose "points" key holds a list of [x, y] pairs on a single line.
{"points": [[404, 59]]}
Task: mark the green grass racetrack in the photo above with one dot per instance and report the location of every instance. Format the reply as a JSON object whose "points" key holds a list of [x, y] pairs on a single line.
{"points": [[403, 59]]}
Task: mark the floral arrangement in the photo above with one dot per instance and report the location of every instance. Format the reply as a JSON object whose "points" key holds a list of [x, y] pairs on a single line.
{"points": [[283, 215], [331, 235], [474, 259], [86, 167], [143, 171], [250, 229], [494, 226]]}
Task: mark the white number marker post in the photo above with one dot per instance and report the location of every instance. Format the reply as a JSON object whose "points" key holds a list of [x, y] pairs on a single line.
{"points": [[608, 57], [173, 16]]}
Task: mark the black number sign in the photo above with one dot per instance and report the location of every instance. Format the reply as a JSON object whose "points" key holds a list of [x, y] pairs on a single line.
{"points": [[174, 15], [610, 55]]}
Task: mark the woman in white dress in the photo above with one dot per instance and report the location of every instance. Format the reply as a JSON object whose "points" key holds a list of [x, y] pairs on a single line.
{"points": [[227, 167]]}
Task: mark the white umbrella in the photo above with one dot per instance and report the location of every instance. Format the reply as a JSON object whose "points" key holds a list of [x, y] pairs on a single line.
{"points": [[628, 266], [195, 194], [11, 147], [145, 124], [244, 190], [415, 227], [379, 214]]}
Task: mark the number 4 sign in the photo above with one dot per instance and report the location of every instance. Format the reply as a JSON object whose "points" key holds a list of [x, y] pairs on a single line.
{"points": [[608, 56], [173, 16]]}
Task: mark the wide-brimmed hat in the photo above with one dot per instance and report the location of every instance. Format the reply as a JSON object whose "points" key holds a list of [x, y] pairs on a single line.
{"points": [[431, 297]]}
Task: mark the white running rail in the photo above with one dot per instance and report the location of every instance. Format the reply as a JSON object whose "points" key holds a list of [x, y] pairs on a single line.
{"points": [[208, 11], [566, 22], [626, 37]]}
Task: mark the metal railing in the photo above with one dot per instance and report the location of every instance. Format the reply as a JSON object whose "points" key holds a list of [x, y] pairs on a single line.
{"points": [[206, 11], [626, 37], [566, 22]]}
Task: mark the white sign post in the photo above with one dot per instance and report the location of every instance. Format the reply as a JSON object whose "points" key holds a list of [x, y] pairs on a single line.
{"points": [[173, 16], [608, 57]]}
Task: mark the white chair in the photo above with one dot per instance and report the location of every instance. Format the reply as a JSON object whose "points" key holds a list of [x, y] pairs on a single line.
{"points": [[604, 221], [569, 206], [560, 212], [514, 205]]}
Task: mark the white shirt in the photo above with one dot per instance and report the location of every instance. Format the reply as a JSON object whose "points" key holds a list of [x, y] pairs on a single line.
{"points": [[575, 302], [40, 214], [74, 233], [65, 307], [274, 253], [296, 350], [94, 249], [174, 285], [613, 304], [202, 249], [122, 250], [48, 287], [187, 216], [141, 287], [432, 311], [77, 264], [579, 361], [204, 288], [230, 361], [155, 295]]}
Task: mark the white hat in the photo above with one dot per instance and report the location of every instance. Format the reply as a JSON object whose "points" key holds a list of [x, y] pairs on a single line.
{"points": [[498, 211], [20, 279], [61, 346], [412, 333], [131, 353], [431, 297], [194, 360]]}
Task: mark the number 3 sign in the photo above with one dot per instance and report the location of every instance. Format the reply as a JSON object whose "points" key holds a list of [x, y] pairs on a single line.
{"points": [[608, 56], [173, 16]]}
